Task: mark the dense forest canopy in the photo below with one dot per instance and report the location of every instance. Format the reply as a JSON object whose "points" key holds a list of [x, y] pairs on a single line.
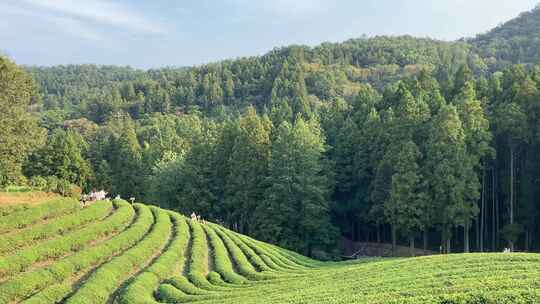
{"points": [[392, 139]]}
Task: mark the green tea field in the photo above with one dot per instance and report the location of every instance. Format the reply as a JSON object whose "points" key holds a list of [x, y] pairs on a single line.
{"points": [[115, 252]]}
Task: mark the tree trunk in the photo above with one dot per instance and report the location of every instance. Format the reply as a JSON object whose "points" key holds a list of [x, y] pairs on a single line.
{"points": [[497, 213], [367, 231], [512, 152], [466, 238], [425, 240], [442, 247], [526, 240], [531, 239], [379, 249], [448, 248], [393, 240], [483, 210], [411, 242], [353, 234], [493, 214], [477, 232]]}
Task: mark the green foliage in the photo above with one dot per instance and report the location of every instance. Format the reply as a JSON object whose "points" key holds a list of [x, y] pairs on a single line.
{"points": [[38, 183], [222, 263], [120, 268], [51, 209], [213, 138], [512, 41], [27, 283], [447, 168], [70, 242], [512, 232], [405, 205], [125, 160], [296, 202], [20, 133], [55, 226], [141, 288], [144, 262], [17, 189], [199, 261], [61, 156]]}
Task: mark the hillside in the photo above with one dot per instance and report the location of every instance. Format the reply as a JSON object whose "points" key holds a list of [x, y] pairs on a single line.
{"points": [[16, 199], [515, 41], [327, 72], [114, 252], [330, 70]]}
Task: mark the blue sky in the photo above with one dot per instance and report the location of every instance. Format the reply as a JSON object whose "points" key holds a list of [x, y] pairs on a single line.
{"points": [[156, 33]]}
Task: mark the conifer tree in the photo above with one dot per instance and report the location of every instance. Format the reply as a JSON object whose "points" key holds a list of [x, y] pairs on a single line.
{"points": [[295, 213], [126, 160], [404, 207], [447, 167], [290, 84], [247, 167]]}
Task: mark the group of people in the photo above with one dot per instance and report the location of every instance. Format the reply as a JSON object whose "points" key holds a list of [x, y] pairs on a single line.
{"points": [[94, 196], [197, 218], [101, 195]]}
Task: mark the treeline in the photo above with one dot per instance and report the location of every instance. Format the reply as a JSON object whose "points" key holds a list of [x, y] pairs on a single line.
{"points": [[325, 72]]}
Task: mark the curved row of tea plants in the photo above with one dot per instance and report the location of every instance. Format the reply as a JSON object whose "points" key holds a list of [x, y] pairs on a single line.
{"points": [[54, 227], [24, 217], [45, 278], [71, 242]]}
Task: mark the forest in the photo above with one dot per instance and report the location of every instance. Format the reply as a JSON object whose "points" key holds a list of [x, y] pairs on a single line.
{"points": [[400, 140]]}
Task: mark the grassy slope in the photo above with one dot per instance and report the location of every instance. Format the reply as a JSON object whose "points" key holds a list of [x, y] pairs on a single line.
{"points": [[148, 255], [11, 199]]}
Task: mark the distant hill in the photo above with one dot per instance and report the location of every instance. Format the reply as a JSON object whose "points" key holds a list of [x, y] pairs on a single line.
{"points": [[515, 41], [330, 70]]}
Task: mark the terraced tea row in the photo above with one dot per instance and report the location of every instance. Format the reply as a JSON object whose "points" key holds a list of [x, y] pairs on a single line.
{"points": [[115, 252]]}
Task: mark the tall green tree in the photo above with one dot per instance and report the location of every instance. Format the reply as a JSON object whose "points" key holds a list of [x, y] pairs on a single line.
{"points": [[19, 130], [62, 156], [125, 162], [511, 125], [290, 84], [404, 207], [446, 168], [247, 168], [478, 148], [295, 212]]}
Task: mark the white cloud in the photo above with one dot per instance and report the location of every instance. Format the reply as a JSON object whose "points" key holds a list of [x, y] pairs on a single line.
{"points": [[10, 15], [76, 28], [288, 8], [99, 11]]}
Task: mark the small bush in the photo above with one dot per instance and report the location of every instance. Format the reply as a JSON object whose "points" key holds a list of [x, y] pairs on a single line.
{"points": [[74, 192], [52, 183], [38, 183], [63, 187], [18, 189]]}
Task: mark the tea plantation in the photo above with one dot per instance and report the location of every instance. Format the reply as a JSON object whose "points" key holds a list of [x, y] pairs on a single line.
{"points": [[115, 252]]}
